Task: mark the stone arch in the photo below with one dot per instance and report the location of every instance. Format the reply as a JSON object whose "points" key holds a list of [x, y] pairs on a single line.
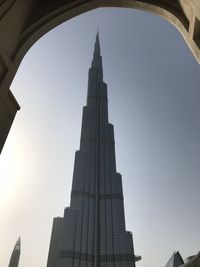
{"points": [[23, 22]]}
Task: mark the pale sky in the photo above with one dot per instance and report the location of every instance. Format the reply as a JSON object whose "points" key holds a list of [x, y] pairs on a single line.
{"points": [[154, 94]]}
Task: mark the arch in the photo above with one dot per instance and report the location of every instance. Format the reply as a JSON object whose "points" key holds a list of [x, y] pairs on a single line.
{"points": [[45, 22], [23, 22]]}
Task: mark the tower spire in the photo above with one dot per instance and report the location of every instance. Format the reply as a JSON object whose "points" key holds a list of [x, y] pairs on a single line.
{"points": [[18, 244], [97, 44], [14, 260], [95, 75], [97, 59]]}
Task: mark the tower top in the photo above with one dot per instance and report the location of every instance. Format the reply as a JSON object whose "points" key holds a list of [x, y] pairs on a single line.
{"points": [[18, 244], [97, 43], [14, 259], [97, 59], [97, 51]]}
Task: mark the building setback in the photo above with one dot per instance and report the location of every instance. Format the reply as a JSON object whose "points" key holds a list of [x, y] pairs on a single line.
{"points": [[14, 259], [93, 229]]}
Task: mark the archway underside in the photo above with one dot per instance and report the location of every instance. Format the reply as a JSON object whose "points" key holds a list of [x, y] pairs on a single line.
{"points": [[23, 22]]}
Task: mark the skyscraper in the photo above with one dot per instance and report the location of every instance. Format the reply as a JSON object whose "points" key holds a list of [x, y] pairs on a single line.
{"points": [[92, 232], [175, 260], [14, 259]]}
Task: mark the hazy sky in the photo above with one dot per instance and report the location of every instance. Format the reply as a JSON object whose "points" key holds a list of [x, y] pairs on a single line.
{"points": [[154, 94]]}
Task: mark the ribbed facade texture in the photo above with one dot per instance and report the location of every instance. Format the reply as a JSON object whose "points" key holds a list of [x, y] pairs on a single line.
{"points": [[93, 231]]}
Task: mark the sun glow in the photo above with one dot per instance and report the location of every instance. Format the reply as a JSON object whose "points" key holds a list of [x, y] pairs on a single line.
{"points": [[11, 166], [8, 168]]}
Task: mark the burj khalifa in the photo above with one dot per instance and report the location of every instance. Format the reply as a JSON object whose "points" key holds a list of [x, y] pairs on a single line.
{"points": [[92, 232]]}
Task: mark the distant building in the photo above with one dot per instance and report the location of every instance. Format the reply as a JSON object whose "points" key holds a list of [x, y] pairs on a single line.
{"points": [[92, 232], [175, 260], [14, 260], [193, 261], [55, 245]]}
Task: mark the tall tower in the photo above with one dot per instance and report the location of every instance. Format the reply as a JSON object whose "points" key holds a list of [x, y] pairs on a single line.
{"points": [[14, 259], [93, 232]]}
